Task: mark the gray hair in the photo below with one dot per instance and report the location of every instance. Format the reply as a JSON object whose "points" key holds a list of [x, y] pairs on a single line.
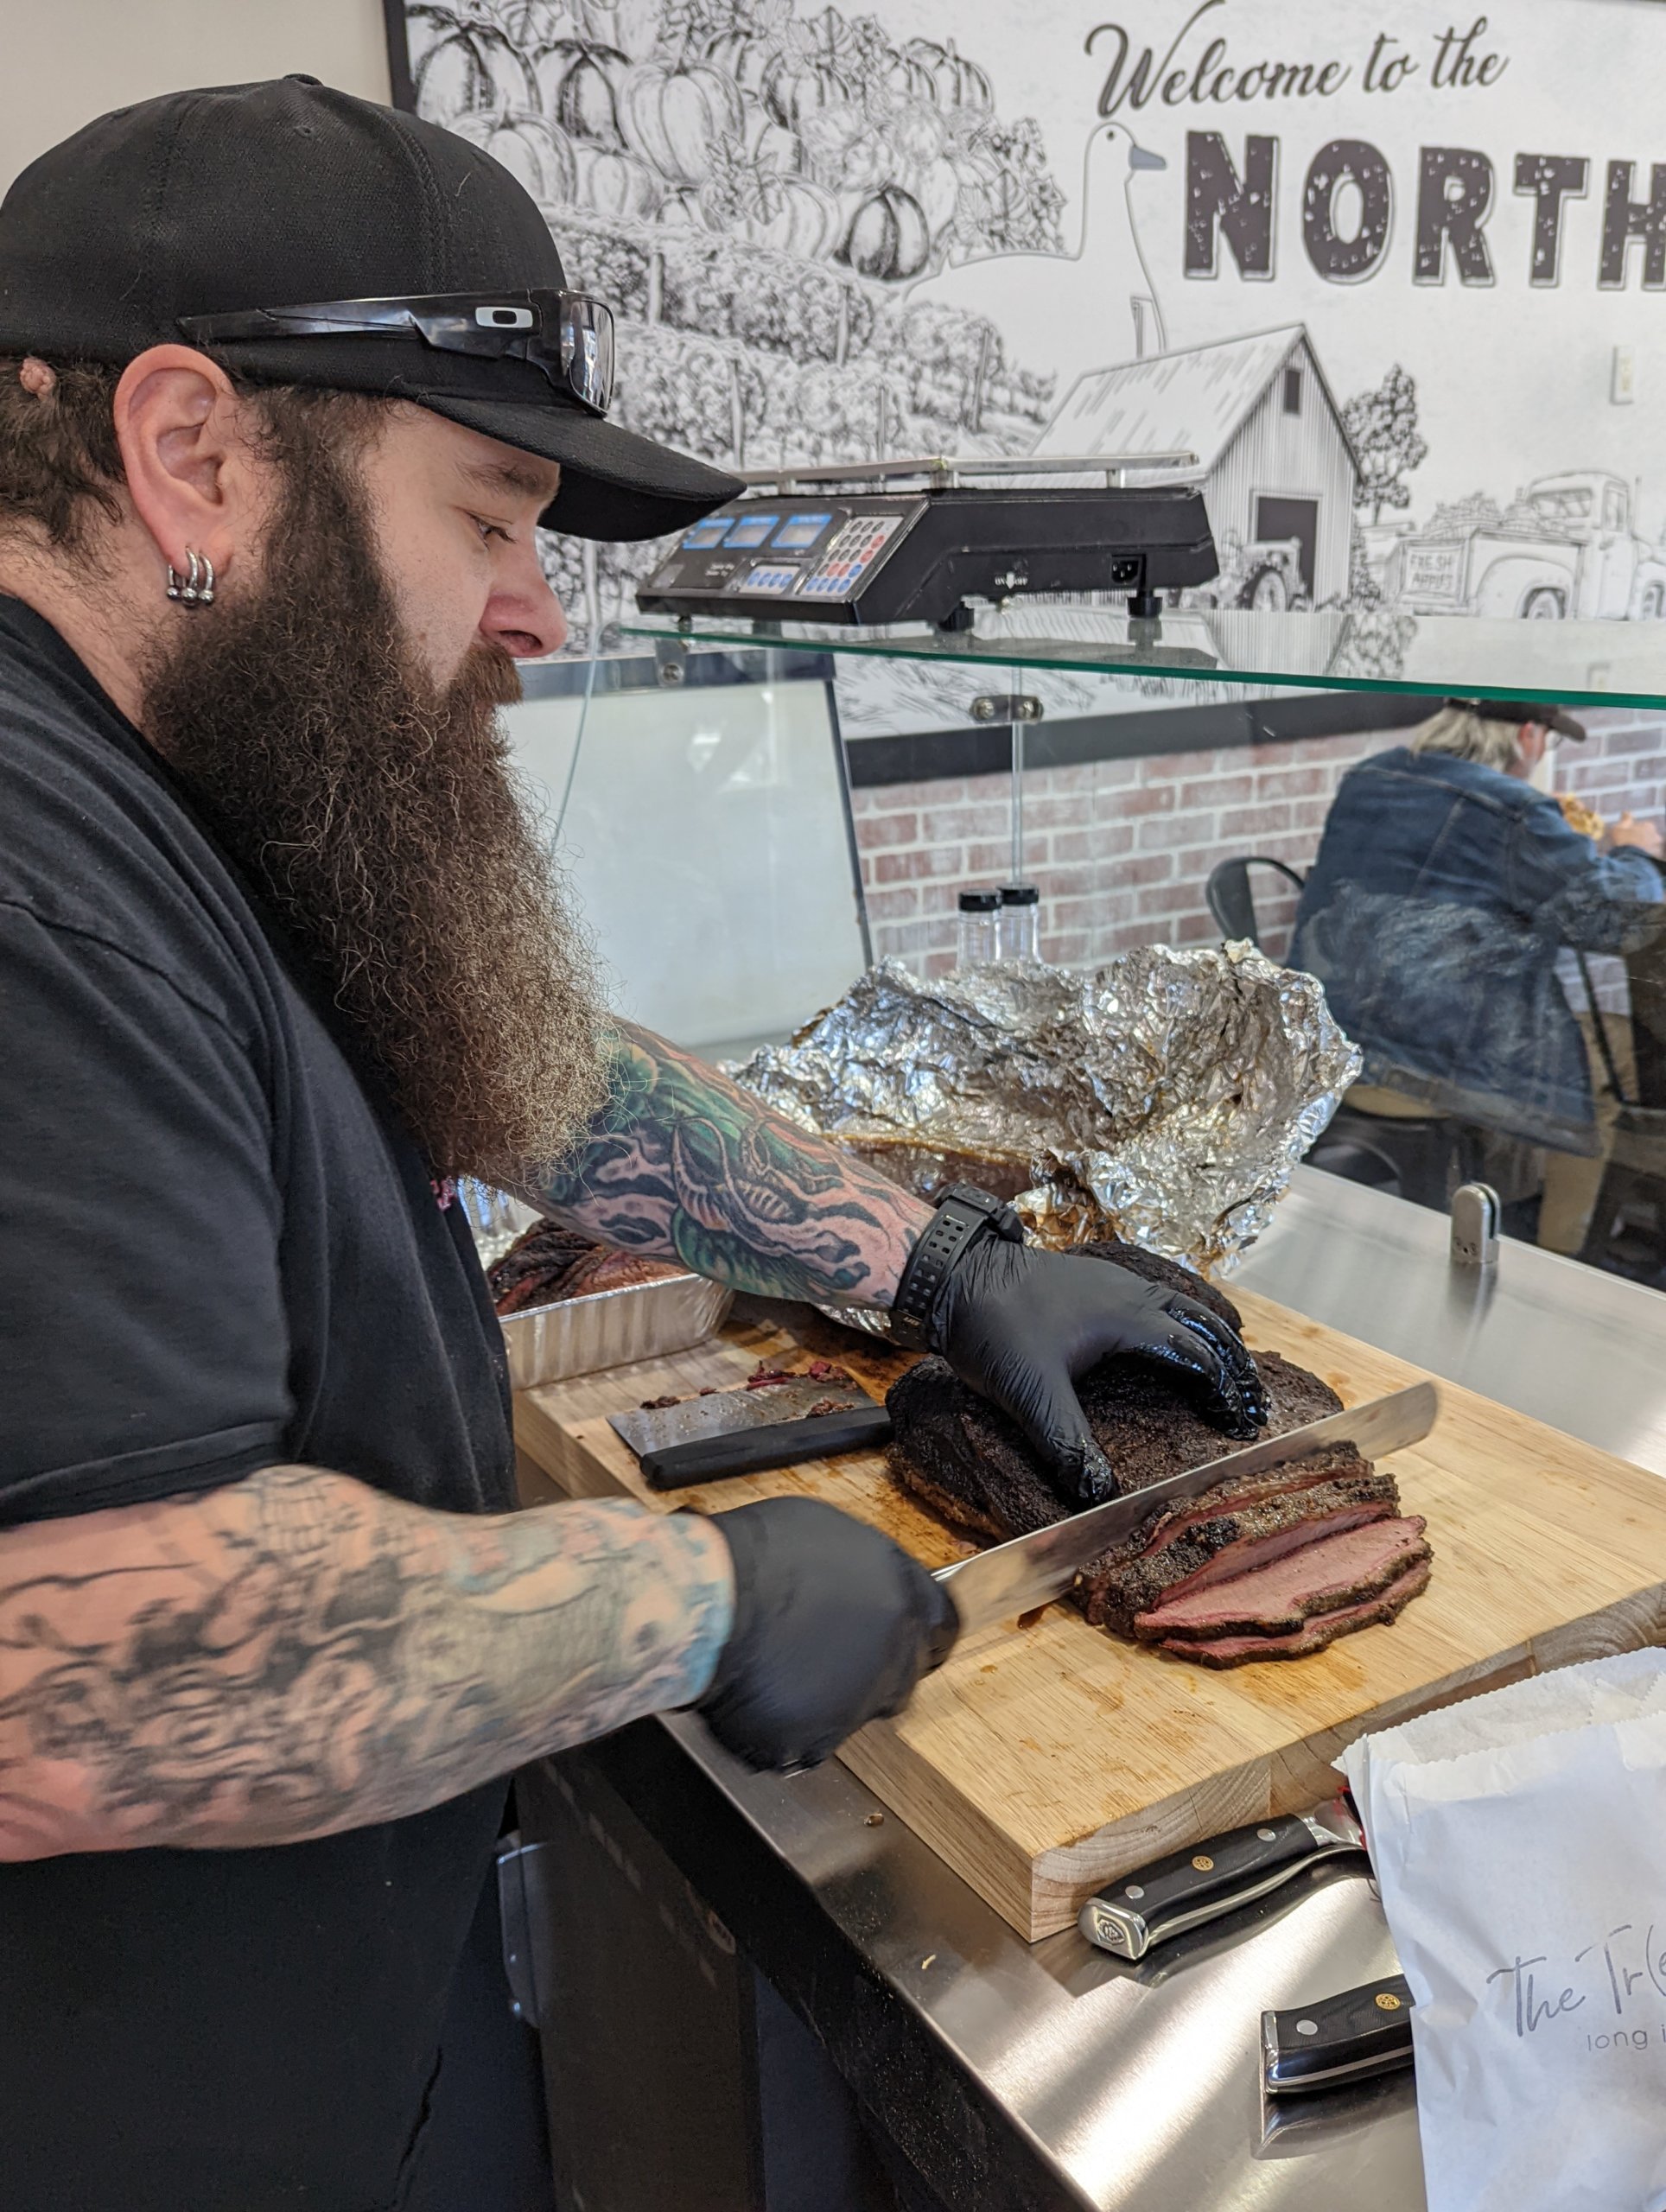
{"points": [[1469, 736]]}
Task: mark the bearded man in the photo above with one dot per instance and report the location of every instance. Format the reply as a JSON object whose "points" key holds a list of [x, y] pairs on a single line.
{"points": [[289, 383]]}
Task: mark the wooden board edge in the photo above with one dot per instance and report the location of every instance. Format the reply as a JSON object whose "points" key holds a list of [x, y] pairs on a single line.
{"points": [[963, 1835], [563, 1461], [1303, 1774]]}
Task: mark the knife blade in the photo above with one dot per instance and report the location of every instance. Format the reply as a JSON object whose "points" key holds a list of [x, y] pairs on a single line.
{"points": [[1347, 2038], [1186, 1888], [718, 1413], [1027, 1571]]}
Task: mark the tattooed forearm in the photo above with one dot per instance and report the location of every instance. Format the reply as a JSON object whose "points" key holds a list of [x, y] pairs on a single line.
{"points": [[298, 1653], [683, 1164]]}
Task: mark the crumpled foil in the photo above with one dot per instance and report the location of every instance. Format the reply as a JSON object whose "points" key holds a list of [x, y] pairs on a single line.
{"points": [[1163, 1098]]}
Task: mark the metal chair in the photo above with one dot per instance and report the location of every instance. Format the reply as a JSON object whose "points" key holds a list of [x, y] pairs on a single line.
{"points": [[1636, 1169], [1232, 900], [1423, 1158]]}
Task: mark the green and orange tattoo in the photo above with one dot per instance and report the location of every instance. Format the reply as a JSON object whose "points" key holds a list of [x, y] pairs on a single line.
{"points": [[683, 1164]]}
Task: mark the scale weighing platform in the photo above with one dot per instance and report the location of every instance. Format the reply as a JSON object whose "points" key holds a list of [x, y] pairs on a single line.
{"points": [[815, 549]]}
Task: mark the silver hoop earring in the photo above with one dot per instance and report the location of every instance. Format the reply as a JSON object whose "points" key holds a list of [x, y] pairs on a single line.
{"points": [[198, 588]]}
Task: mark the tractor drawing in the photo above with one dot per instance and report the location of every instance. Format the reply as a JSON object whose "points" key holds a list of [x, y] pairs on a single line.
{"points": [[1564, 549]]}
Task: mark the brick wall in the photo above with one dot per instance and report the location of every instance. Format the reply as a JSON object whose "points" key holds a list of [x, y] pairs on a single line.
{"points": [[1621, 769], [1120, 849]]}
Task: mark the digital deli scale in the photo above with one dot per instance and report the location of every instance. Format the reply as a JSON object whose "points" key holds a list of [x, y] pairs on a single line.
{"points": [[913, 541]]}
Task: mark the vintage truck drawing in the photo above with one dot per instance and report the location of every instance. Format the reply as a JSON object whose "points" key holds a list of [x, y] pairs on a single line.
{"points": [[1564, 548]]}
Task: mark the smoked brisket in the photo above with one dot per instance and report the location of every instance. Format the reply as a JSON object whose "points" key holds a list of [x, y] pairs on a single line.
{"points": [[549, 1262], [1270, 1567]]}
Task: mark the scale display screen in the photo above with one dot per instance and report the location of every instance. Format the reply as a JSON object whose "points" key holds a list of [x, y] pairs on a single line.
{"points": [[706, 535], [750, 531], [799, 532]]}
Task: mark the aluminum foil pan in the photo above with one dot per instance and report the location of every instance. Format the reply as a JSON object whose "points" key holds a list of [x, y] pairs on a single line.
{"points": [[645, 1320], [577, 1336], [1164, 1098]]}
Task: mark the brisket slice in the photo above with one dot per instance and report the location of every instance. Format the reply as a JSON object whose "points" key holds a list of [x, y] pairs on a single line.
{"points": [[549, 1262], [962, 1458], [1312, 1635], [603, 1268], [530, 1271], [1343, 1568]]}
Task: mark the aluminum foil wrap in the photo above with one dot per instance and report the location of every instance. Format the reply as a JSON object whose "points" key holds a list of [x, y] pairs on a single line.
{"points": [[1163, 1098]]}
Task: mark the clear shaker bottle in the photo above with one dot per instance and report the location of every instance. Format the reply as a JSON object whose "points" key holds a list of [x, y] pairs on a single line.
{"points": [[978, 938], [1018, 923]]}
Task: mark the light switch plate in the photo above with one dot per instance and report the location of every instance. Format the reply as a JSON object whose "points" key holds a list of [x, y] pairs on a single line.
{"points": [[1622, 382]]}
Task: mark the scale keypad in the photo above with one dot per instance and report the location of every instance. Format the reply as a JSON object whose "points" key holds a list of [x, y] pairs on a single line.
{"points": [[856, 546]]}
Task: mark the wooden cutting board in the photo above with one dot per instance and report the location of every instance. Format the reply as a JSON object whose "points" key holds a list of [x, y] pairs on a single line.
{"points": [[1044, 1761]]}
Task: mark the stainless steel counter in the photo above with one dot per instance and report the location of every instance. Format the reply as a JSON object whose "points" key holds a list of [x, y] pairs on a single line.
{"points": [[1584, 1352], [1085, 2082]]}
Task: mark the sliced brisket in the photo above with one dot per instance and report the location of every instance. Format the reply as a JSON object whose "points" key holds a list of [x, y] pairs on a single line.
{"points": [[1275, 1598], [1312, 1636], [961, 1456]]}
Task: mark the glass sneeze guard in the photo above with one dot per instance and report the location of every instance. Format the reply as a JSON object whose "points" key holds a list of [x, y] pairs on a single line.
{"points": [[1579, 663]]}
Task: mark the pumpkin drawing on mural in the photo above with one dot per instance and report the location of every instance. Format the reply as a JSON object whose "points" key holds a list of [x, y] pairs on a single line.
{"points": [[755, 190]]}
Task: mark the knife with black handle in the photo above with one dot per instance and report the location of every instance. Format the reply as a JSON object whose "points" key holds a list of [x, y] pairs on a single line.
{"points": [[752, 1450], [1348, 2038], [1189, 1887]]}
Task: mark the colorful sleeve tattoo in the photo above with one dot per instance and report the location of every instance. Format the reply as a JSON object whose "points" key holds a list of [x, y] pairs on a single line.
{"points": [[683, 1164]]}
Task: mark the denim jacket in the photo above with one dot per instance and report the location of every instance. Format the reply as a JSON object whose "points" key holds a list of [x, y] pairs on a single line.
{"points": [[1442, 893]]}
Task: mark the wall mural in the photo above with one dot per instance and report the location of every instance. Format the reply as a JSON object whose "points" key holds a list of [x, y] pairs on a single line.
{"points": [[1399, 292]]}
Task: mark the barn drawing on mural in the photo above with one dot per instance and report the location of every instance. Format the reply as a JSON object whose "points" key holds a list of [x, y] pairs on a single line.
{"points": [[1274, 459], [827, 242]]}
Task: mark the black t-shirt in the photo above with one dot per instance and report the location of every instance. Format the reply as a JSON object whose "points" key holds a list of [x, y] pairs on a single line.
{"points": [[218, 1251]]}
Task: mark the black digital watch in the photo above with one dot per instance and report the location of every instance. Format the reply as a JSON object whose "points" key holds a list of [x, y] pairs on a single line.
{"points": [[963, 1217]]}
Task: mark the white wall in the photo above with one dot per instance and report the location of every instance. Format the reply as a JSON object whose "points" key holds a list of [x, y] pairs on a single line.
{"points": [[67, 60]]}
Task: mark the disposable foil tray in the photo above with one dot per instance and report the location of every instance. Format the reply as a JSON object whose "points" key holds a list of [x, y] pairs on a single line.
{"points": [[609, 1328], [645, 1320]]}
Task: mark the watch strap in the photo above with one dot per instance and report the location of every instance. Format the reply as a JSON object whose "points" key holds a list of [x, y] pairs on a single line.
{"points": [[964, 1216]]}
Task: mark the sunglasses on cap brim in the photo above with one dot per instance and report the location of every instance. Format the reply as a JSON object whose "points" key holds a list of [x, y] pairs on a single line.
{"points": [[567, 335]]}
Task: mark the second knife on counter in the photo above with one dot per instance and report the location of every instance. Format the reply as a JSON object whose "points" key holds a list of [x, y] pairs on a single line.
{"points": [[1162, 1900], [1348, 2036], [777, 1423]]}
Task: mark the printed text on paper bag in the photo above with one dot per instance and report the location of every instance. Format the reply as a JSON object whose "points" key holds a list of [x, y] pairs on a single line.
{"points": [[1619, 1975]]}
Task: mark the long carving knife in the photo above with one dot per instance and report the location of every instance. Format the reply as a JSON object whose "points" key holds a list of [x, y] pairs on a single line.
{"points": [[1028, 1571]]}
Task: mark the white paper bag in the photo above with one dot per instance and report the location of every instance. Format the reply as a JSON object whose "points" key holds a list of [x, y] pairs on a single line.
{"points": [[1519, 1842]]}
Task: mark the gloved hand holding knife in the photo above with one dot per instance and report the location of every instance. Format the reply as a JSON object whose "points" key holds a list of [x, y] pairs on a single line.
{"points": [[835, 1624]]}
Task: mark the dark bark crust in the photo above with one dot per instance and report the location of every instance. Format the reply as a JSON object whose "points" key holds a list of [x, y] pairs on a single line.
{"points": [[966, 1460]]}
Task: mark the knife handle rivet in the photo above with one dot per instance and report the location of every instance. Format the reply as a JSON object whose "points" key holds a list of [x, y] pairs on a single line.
{"points": [[1203, 1863], [1133, 1890], [1268, 1835], [1306, 2027], [1386, 2001]]}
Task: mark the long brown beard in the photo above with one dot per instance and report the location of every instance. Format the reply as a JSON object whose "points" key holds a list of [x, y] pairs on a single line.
{"points": [[380, 815]]}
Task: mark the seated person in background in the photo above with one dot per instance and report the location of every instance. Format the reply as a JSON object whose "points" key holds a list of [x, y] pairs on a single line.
{"points": [[1444, 888]]}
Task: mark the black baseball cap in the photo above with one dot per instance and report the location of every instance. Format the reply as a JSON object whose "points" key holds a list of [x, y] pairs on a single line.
{"points": [[248, 196], [1539, 712]]}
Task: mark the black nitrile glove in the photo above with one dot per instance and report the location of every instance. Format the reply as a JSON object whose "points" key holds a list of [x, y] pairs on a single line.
{"points": [[834, 1624], [1020, 1325]]}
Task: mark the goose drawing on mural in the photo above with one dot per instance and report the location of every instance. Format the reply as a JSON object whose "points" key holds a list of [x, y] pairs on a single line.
{"points": [[1087, 307]]}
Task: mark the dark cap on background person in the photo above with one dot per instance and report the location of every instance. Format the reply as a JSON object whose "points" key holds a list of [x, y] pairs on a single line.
{"points": [[266, 196], [1540, 713]]}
